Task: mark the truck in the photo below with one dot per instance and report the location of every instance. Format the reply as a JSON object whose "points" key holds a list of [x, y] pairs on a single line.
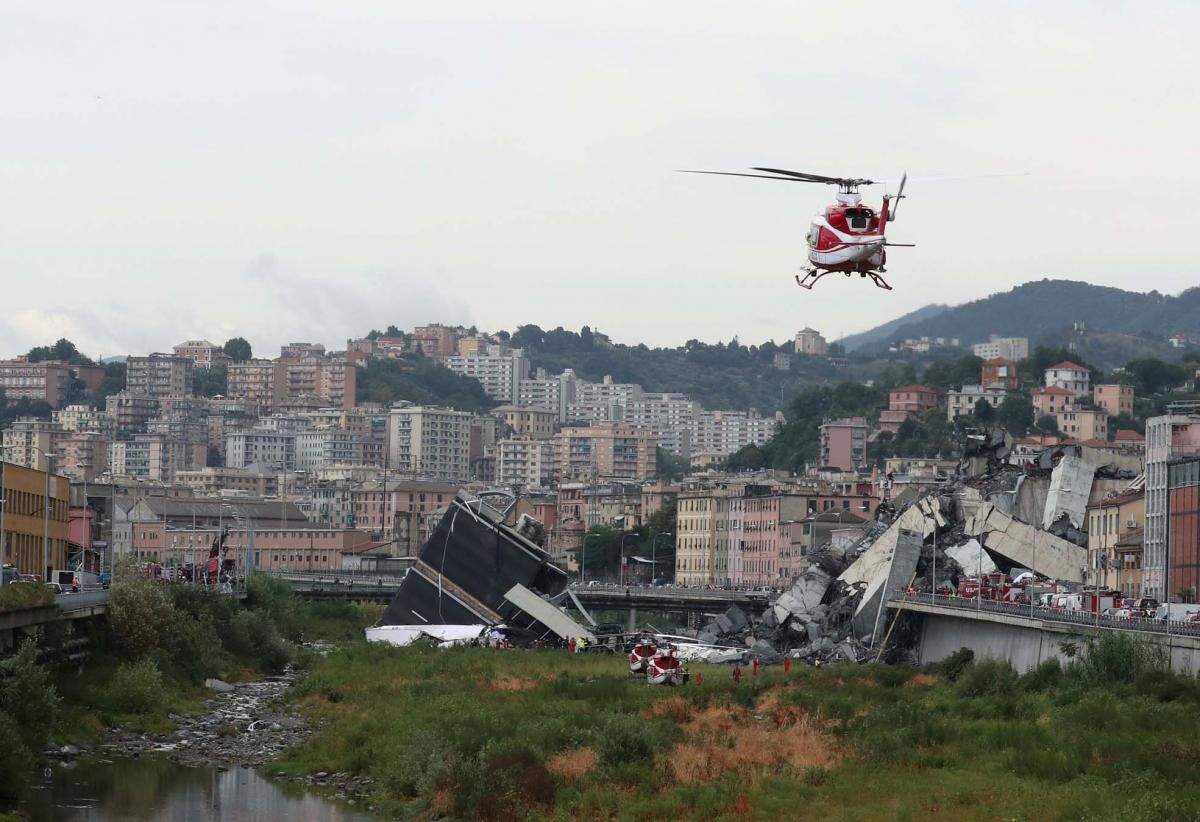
{"points": [[1176, 611]]}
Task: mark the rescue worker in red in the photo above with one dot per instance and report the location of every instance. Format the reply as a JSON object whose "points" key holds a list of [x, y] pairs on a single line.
{"points": [[787, 664], [571, 645], [754, 665], [75, 584], [737, 674]]}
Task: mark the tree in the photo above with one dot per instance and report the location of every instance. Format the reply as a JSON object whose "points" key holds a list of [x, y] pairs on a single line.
{"points": [[1047, 424], [670, 466], [1015, 414], [238, 349], [28, 696], [137, 611], [63, 350], [599, 550], [114, 380], [210, 382], [984, 412], [1153, 376]]}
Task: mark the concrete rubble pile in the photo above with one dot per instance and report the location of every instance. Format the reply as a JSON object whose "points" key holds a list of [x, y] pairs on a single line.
{"points": [[993, 517]]}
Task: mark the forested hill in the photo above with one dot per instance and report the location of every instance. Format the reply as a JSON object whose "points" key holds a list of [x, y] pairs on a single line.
{"points": [[1045, 311], [717, 375], [887, 332]]}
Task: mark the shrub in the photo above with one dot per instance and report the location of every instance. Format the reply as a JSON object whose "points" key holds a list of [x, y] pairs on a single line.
{"points": [[511, 781], [623, 739], [136, 687], [252, 636], [16, 763], [1044, 677], [195, 649], [138, 610], [18, 596], [952, 666], [28, 696], [1117, 657], [987, 677]]}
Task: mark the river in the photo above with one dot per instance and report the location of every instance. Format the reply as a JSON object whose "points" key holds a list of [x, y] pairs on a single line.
{"points": [[154, 789]]}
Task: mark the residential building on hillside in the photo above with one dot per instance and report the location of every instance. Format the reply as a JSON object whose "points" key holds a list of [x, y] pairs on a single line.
{"points": [[999, 372], [726, 432], [844, 443], [1049, 402], [140, 458], [556, 393], [27, 441], [314, 380], [203, 354], [275, 450], [80, 418], [962, 403], [1114, 398], [48, 380], [325, 446], [82, 455], [1013, 349], [1168, 437], [500, 371], [1071, 376], [673, 418], [533, 423], [214, 480], [1130, 440], [430, 441], [525, 462], [810, 341], [603, 401], [914, 399], [159, 375], [1109, 520], [435, 340], [605, 451], [253, 382], [1083, 423]]}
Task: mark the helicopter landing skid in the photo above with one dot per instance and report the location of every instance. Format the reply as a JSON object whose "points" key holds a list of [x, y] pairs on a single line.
{"points": [[811, 275]]}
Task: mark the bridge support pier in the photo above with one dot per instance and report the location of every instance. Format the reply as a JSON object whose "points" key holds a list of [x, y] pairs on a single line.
{"points": [[632, 618]]}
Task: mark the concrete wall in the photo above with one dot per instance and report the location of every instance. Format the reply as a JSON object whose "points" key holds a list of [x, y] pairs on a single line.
{"points": [[1026, 642]]}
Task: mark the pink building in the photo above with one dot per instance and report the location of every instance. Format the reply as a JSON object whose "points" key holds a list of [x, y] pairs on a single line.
{"points": [[844, 443], [915, 399], [300, 549]]}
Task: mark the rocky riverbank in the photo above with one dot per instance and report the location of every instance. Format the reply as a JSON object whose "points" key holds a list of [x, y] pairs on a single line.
{"points": [[241, 725]]}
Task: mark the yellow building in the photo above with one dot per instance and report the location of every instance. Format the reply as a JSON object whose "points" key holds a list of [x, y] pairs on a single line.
{"points": [[22, 518]]}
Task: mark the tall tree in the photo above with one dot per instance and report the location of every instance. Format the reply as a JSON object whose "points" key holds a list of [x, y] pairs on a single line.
{"points": [[238, 349]]}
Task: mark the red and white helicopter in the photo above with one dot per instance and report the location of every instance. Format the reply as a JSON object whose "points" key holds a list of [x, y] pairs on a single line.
{"points": [[849, 237]]}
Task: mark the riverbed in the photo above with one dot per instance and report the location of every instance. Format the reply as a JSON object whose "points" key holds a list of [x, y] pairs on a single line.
{"points": [[153, 788]]}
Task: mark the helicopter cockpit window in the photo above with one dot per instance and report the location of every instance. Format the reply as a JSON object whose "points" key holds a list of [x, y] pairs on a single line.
{"points": [[859, 219]]}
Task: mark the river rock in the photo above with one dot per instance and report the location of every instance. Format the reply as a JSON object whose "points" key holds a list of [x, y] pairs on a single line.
{"points": [[218, 685]]}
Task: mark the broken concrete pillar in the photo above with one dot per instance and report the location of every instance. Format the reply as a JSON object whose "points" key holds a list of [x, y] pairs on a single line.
{"points": [[971, 557], [1027, 546], [1070, 488], [890, 580]]}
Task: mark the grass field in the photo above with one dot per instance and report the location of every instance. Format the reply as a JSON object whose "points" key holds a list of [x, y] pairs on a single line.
{"points": [[481, 734]]}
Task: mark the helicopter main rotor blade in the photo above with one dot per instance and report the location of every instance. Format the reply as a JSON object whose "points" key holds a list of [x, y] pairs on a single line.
{"points": [[818, 178], [739, 174]]}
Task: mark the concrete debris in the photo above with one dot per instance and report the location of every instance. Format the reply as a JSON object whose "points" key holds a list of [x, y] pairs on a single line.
{"points": [[1070, 488], [972, 559], [220, 686], [1027, 546]]}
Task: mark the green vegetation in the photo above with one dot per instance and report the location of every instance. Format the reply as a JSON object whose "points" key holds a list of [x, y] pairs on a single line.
{"points": [[28, 710], [422, 381], [476, 733], [602, 544], [237, 349], [17, 596], [63, 350]]}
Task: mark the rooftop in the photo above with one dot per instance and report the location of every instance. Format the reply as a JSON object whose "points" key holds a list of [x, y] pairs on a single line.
{"points": [[1054, 390], [1065, 365]]}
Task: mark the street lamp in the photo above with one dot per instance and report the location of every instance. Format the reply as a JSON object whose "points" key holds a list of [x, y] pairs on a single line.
{"points": [[621, 566]]}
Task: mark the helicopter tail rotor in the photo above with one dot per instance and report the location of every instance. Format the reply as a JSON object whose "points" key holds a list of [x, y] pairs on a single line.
{"points": [[899, 196]]}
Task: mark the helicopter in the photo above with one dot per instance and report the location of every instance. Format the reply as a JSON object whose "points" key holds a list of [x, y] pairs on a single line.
{"points": [[849, 238]]}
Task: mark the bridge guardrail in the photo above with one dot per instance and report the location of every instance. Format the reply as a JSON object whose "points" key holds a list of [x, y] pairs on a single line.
{"points": [[1088, 618]]}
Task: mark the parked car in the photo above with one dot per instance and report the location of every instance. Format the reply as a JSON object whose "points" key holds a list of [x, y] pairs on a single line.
{"points": [[58, 589], [105, 579]]}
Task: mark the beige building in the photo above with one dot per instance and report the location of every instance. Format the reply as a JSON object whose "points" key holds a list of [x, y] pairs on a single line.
{"points": [[213, 480], [203, 353], [1071, 376], [142, 457], [525, 462], [810, 341], [605, 451], [83, 455], [1083, 424], [28, 440], [309, 379], [1114, 398], [1110, 521], [534, 423], [159, 375], [1049, 402], [435, 340], [80, 418], [253, 382], [962, 403], [130, 413], [48, 380], [24, 493], [430, 441], [695, 542]]}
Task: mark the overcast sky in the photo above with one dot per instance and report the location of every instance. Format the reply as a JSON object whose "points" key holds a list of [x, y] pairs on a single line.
{"points": [[311, 170]]}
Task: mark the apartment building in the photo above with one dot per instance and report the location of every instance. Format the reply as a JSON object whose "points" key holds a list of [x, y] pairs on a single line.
{"points": [[1183, 528], [671, 416], [525, 462], [435, 340], [1014, 349], [810, 341], [159, 375], [253, 382], [1172, 436], [28, 440], [1114, 398], [530, 423], [603, 401], [142, 457], [605, 451], [725, 432], [556, 393], [203, 354], [47, 380], [82, 455], [1083, 423], [326, 446], [499, 370], [1049, 402], [430, 441], [214, 480], [79, 418], [1109, 521], [998, 372], [695, 542], [844, 443], [1071, 376], [275, 450], [962, 403]]}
